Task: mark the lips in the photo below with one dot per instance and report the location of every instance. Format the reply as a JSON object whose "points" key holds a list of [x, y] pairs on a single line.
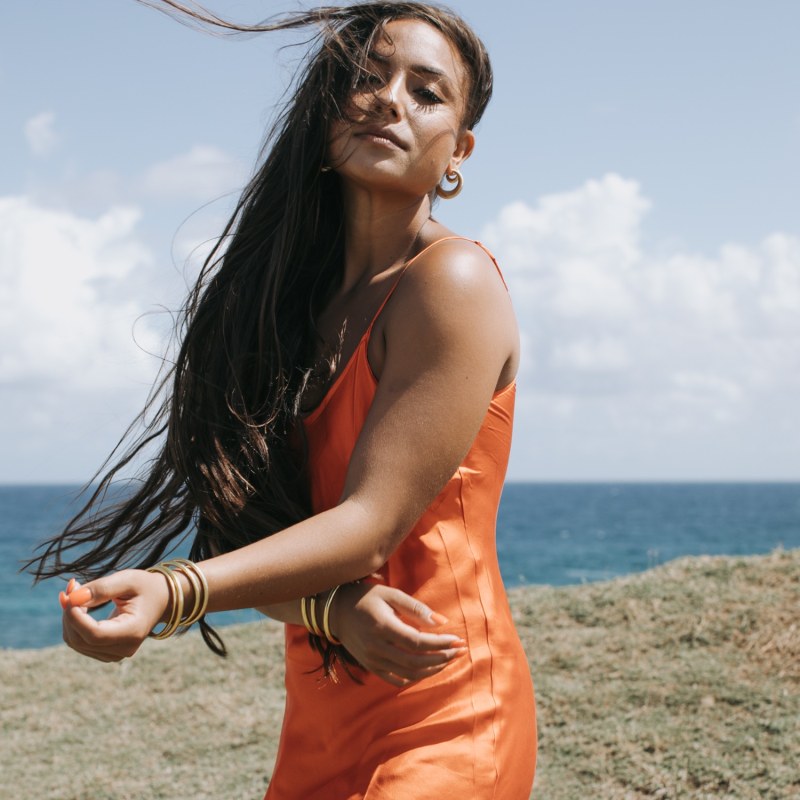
{"points": [[382, 133]]}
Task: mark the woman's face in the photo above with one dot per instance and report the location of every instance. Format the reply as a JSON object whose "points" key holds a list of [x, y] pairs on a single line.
{"points": [[407, 120]]}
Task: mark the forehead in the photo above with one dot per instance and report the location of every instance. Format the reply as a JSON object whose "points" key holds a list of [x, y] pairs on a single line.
{"points": [[412, 42]]}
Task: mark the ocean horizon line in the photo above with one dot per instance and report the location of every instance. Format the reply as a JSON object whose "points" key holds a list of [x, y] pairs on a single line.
{"points": [[77, 485]]}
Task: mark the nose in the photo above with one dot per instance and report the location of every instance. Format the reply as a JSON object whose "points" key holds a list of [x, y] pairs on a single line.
{"points": [[387, 97]]}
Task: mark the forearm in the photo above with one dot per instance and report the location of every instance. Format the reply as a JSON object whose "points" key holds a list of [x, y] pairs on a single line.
{"points": [[288, 612], [334, 547]]}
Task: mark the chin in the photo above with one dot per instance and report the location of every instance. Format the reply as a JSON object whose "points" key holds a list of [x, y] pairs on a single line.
{"points": [[385, 177]]}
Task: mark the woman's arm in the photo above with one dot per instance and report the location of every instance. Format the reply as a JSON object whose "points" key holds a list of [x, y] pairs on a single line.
{"points": [[449, 333], [376, 625]]}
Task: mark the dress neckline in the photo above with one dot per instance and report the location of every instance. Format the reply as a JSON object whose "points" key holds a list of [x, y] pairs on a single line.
{"points": [[306, 415], [311, 415]]}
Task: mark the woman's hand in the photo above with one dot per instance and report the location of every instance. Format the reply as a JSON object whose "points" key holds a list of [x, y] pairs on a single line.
{"points": [[366, 619], [140, 601]]}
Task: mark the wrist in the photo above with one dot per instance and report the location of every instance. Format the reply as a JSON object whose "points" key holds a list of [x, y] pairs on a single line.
{"points": [[189, 594], [167, 598], [317, 612], [186, 597]]}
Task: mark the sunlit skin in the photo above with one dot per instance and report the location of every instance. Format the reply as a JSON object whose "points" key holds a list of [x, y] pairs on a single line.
{"points": [[443, 345], [407, 114]]}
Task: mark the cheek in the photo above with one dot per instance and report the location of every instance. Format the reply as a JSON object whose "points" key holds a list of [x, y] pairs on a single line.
{"points": [[359, 104], [440, 143], [337, 136]]}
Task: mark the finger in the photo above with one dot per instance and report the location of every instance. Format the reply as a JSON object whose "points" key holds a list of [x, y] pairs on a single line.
{"points": [[83, 596], [402, 664], [390, 678], [99, 654], [416, 641], [106, 639], [406, 674], [111, 652], [410, 669], [414, 674], [413, 661], [410, 638], [102, 590], [105, 654], [76, 643], [120, 632], [413, 609]]}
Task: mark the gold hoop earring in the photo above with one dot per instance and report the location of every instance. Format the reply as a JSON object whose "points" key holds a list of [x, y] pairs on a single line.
{"points": [[451, 176]]}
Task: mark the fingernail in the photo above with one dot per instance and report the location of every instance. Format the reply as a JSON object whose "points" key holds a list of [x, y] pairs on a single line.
{"points": [[62, 598], [459, 643], [80, 596], [438, 618], [70, 585]]}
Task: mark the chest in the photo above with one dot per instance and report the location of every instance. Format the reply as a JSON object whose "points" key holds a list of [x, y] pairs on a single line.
{"points": [[341, 328]]}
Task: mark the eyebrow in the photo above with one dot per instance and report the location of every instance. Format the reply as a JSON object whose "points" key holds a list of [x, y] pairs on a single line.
{"points": [[422, 69]]}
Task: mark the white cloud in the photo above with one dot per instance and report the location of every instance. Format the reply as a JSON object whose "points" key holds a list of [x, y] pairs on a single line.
{"points": [[40, 133], [636, 362], [592, 355], [645, 354], [202, 174], [71, 374], [65, 312], [81, 326]]}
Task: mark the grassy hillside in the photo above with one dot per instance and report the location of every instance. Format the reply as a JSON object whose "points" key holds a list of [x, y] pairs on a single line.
{"points": [[681, 682]]}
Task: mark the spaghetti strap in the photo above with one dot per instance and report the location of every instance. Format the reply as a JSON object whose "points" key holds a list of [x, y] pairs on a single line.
{"points": [[361, 347], [414, 258], [494, 260]]}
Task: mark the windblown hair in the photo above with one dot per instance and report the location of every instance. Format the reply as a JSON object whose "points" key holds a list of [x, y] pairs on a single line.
{"points": [[223, 419]]}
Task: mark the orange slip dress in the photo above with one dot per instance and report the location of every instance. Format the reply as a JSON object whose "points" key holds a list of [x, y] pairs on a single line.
{"points": [[466, 733]]}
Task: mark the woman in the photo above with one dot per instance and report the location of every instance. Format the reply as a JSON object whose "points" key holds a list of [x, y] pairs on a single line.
{"points": [[341, 407]]}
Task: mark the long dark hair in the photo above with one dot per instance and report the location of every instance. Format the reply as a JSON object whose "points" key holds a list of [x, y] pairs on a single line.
{"points": [[223, 417]]}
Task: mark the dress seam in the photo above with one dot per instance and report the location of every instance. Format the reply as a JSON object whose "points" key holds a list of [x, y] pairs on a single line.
{"points": [[466, 626], [486, 635]]}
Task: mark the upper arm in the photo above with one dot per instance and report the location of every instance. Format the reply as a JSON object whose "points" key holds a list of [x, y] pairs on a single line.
{"points": [[449, 332]]}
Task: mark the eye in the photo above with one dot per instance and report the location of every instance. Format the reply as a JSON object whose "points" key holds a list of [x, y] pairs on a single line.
{"points": [[429, 96], [367, 80]]}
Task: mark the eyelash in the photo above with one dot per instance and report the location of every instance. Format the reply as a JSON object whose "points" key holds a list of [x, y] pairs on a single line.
{"points": [[430, 96], [374, 82]]}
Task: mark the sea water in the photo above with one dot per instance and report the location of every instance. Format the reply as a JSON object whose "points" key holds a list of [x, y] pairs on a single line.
{"points": [[546, 534]]}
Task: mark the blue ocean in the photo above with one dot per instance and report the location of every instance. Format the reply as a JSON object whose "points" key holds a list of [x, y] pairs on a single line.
{"points": [[547, 534]]}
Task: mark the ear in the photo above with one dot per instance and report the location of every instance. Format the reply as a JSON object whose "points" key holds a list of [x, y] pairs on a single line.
{"points": [[463, 150]]}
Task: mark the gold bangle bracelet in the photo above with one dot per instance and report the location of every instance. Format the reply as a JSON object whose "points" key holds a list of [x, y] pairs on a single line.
{"points": [[177, 610], [206, 593], [304, 614], [194, 583], [176, 596], [199, 584], [326, 616], [312, 604]]}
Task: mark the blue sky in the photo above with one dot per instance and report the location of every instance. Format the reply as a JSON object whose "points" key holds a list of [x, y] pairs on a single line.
{"points": [[637, 174]]}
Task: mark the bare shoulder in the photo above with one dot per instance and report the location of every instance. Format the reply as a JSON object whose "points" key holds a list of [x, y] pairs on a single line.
{"points": [[459, 264], [454, 278], [451, 306]]}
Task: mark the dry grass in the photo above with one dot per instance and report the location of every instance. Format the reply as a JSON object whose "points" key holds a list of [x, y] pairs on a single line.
{"points": [[682, 682]]}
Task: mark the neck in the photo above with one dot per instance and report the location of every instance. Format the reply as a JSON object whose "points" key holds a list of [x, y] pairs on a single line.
{"points": [[381, 231]]}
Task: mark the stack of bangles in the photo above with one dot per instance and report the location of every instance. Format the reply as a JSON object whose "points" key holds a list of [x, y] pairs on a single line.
{"points": [[199, 585], [308, 611]]}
